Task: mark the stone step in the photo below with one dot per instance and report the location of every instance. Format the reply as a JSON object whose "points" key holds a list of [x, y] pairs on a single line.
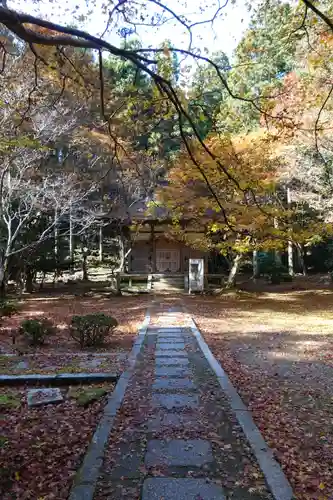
{"points": [[157, 488], [171, 384], [175, 401], [178, 453]]}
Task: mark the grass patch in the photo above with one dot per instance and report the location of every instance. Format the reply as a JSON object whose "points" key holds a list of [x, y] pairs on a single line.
{"points": [[3, 441], [8, 401], [85, 397]]}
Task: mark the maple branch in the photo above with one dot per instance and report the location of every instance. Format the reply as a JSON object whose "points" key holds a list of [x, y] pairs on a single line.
{"points": [[319, 13]]}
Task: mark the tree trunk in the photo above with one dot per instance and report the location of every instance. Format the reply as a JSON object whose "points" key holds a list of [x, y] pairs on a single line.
{"points": [[3, 277], [290, 258], [100, 244], [233, 271], [255, 264], [301, 261], [84, 268], [71, 238], [290, 243], [28, 282], [56, 236]]}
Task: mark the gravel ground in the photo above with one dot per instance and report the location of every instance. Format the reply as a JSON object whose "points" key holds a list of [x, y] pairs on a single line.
{"points": [[277, 349]]}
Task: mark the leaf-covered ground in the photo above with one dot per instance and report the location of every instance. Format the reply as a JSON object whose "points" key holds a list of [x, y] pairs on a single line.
{"points": [[277, 348], [61, 352], [41, 448]]}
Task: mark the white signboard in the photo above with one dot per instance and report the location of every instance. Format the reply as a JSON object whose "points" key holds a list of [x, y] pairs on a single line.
{"points": [[196, 275]]}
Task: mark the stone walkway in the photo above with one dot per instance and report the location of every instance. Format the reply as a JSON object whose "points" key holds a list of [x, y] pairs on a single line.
{"points": [[175, 436]]}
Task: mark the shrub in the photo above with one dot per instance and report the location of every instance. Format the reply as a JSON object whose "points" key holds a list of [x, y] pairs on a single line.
{"points": [[90, 330], [8, 307], [36, 330]]}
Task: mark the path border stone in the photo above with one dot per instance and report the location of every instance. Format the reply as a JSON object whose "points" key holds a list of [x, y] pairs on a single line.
{"points": [[63, 378], [274, 475], [85, 479]]}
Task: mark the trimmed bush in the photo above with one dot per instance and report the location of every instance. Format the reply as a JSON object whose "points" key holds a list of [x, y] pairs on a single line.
{"points": [[36, 330], [91, 330], [8, 307]]}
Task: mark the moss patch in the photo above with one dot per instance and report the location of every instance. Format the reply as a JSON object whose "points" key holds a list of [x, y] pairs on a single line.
{"points": [[84, 397], [9, 401]]}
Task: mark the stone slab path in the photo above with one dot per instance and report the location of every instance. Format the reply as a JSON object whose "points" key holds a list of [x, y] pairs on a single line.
{"points": [[175, 435]]}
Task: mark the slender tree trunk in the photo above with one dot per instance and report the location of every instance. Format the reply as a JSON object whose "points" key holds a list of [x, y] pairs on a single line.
{"points": [[101, 244], [290, 258], [28, 282], [277, 253], [56, 235], [3, 275], [71, 238], [255, 264], [84, 268], [301, 260], [233, 271], [290, 243]]}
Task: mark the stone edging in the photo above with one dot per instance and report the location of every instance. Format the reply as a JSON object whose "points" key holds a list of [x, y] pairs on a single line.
{"points": [[63, 378], [274, 475], [85, 480]]}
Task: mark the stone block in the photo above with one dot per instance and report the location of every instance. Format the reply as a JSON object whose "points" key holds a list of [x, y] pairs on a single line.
{"points": [[170, 345], [170, 352], [172, 371], [175, 401], [181, 489], [173, 383], [37, 397], [178, 453], [172, 362]]}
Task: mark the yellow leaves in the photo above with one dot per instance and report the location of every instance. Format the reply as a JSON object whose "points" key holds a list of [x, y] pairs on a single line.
{"points": [[321, 486], [17, 476]]}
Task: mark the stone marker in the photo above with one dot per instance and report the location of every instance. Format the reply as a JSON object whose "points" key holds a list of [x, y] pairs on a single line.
{"points": [[92, 362], [174, 401], [172, 371], [22, 365], [37, 397], [173, 383], [171, 361], [180, 489], [178, 453]]}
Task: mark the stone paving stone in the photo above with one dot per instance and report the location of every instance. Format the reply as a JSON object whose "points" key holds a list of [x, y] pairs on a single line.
{"points": [[170, 352], [37, 397], [173, 383], [170, 345], [175, 401], [167, 420], [169, 330], [178, 453], [172, 371], [171, 361], [92, 363], [180, 489], [22, 365], [169, 340]]}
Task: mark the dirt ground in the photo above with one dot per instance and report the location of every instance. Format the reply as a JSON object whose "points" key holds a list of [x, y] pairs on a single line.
{"points": [[277, 348]]}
